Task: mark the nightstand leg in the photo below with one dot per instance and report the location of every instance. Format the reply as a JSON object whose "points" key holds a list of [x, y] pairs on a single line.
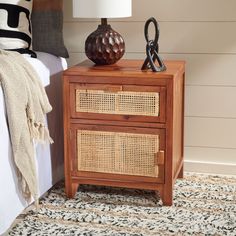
{"points": [[71, 189], [167, 196], [181, 173]]}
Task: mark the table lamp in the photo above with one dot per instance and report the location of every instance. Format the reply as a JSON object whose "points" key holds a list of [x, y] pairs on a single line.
{"points": [[104, 46]]}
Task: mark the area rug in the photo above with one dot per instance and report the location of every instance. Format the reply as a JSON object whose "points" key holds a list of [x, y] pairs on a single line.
{"points": [[203, 205]]}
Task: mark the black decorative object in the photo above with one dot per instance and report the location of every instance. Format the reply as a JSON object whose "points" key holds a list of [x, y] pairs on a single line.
{"points": [[152, 49]]}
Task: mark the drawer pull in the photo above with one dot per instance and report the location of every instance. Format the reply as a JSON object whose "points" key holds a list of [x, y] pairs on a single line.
{"points": [[160, 158], [114, 89]]}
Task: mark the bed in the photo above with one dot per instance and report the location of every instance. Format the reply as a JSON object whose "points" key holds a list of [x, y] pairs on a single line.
{"points": [[49, 159], [50, 62]]}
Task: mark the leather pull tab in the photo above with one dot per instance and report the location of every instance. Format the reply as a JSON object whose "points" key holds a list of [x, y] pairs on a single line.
{"points": [[113, 88], [160, 158]]}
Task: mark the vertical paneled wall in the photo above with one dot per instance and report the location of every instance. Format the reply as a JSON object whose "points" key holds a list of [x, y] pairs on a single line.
{"points": [[203, 33]]}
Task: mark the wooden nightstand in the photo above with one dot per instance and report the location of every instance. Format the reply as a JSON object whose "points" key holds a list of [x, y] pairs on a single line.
{"points": [[124, 127]]}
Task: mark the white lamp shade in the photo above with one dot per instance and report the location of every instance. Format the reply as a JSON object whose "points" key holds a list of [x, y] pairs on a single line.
{"points": [[102, 8]]}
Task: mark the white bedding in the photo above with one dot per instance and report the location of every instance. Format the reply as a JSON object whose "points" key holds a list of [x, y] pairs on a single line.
{"points": [[11, 202]]}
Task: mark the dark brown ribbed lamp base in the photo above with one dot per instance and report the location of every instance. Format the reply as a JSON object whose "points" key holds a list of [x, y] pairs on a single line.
{"points": [[104, 46]]}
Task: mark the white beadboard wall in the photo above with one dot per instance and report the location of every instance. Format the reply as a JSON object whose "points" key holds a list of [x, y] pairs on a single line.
{"points": [[203, 34]]}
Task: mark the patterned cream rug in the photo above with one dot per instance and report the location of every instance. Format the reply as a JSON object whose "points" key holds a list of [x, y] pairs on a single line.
{"points": [[203, 205]]}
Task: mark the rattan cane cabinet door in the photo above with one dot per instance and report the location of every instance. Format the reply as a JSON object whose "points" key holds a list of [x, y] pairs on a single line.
{"points": [[118, 102], [116, 151]]}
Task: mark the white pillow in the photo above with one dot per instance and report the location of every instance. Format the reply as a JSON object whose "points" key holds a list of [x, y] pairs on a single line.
{"points": [[15, 26]]}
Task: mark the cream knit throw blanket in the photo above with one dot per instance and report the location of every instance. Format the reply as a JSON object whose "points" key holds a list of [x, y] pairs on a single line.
{"points": [[26, 105]]}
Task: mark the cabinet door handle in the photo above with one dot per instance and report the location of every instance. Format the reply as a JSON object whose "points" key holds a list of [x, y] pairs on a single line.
{"points": [[113, 88], [160, 158]]}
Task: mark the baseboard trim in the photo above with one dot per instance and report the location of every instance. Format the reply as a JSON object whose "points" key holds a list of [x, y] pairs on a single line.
{"points": [[210, 167]]}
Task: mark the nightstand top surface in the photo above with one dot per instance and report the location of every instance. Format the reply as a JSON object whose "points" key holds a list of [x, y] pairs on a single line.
{"points": [[124, 67]]}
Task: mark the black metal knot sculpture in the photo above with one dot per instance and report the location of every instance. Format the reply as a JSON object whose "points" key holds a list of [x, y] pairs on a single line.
{"points": [[152, 49]]}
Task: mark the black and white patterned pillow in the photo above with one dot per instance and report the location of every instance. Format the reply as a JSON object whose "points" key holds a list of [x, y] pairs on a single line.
{"points": [[15, 26]]}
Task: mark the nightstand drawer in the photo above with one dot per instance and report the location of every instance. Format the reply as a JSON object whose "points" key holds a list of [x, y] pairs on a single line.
{"points": [[118, 102], [129, 151]]}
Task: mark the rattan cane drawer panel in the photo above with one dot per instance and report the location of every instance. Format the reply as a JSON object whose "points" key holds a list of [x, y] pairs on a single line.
{"points": [[117, 153], [121, 103]]}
